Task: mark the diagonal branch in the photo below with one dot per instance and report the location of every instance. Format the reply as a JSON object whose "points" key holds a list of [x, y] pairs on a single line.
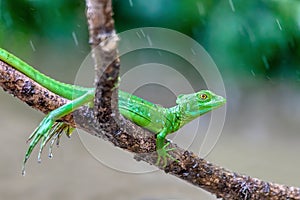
{"points": [[221, 182], [124, 134]]}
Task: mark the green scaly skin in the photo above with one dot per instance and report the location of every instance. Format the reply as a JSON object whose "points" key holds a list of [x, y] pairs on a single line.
{"points": [[159, 120]]}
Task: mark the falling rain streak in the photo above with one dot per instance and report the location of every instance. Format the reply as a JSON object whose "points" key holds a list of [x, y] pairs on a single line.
{"points": [[75, 38], [143, 33], [32, 46], [137, 33], [130, 3], [193, 51], [149, 40], [279, 25], [231, 5], [265, 61]]}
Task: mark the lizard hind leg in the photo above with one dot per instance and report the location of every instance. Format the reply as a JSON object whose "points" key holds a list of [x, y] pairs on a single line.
{"points": [[40, 133], [47, 128], [44, 132]]}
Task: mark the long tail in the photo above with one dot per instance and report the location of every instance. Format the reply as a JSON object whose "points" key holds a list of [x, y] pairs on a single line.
{"points": [[65, 90]]}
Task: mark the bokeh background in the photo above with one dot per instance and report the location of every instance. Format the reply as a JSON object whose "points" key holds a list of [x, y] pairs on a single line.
{"points": [[255, 45]]}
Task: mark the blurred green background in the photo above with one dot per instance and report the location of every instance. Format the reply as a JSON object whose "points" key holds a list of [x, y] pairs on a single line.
{"points": [[255, 45]]}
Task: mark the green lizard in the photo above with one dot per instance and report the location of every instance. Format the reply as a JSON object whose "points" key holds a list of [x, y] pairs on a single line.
{"points": [[159, 120]]}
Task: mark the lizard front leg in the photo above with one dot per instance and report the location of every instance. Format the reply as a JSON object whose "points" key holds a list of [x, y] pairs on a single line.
{"points": [[162, 150]]}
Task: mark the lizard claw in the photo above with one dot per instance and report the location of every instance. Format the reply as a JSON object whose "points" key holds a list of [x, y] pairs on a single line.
{"points": [[41, 132], [57, 131], [56, 139], [44, 132]]}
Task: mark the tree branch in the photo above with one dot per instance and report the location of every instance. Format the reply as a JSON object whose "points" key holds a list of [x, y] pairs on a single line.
{"points": [[124, 134], [103, 41]]}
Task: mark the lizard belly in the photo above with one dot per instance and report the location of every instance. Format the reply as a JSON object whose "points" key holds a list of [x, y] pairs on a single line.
{"points": [[142, 112]]}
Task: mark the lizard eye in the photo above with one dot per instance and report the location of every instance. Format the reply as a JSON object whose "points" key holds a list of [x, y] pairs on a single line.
{"points": [[203, 96]]}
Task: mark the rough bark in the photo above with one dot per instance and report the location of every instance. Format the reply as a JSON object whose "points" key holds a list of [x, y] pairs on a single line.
{"points": [[109, 125]]}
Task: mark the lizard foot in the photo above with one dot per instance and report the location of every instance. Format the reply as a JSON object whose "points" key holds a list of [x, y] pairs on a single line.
{"points": [[57, 129], [163, 155], [44, 132]]}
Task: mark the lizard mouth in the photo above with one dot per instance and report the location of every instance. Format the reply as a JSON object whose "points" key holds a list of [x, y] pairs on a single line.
{"points": [[218, 102], [221, 100]]}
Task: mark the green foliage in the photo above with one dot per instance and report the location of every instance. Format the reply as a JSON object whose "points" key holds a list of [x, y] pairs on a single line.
{"points": [[41, 17], [258, 38]]}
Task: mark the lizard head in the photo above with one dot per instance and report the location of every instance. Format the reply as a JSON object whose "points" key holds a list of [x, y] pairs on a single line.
{"points": [[197, 104]]}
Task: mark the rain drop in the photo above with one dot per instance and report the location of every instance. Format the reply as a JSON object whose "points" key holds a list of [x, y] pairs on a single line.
{"points": [[231, 5], [193, 51], [279, 25], [201, 9], [32, 46], [149, 40], [143, 33], [75, 38], [266, 63], [138, 35], [130, 3]]}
